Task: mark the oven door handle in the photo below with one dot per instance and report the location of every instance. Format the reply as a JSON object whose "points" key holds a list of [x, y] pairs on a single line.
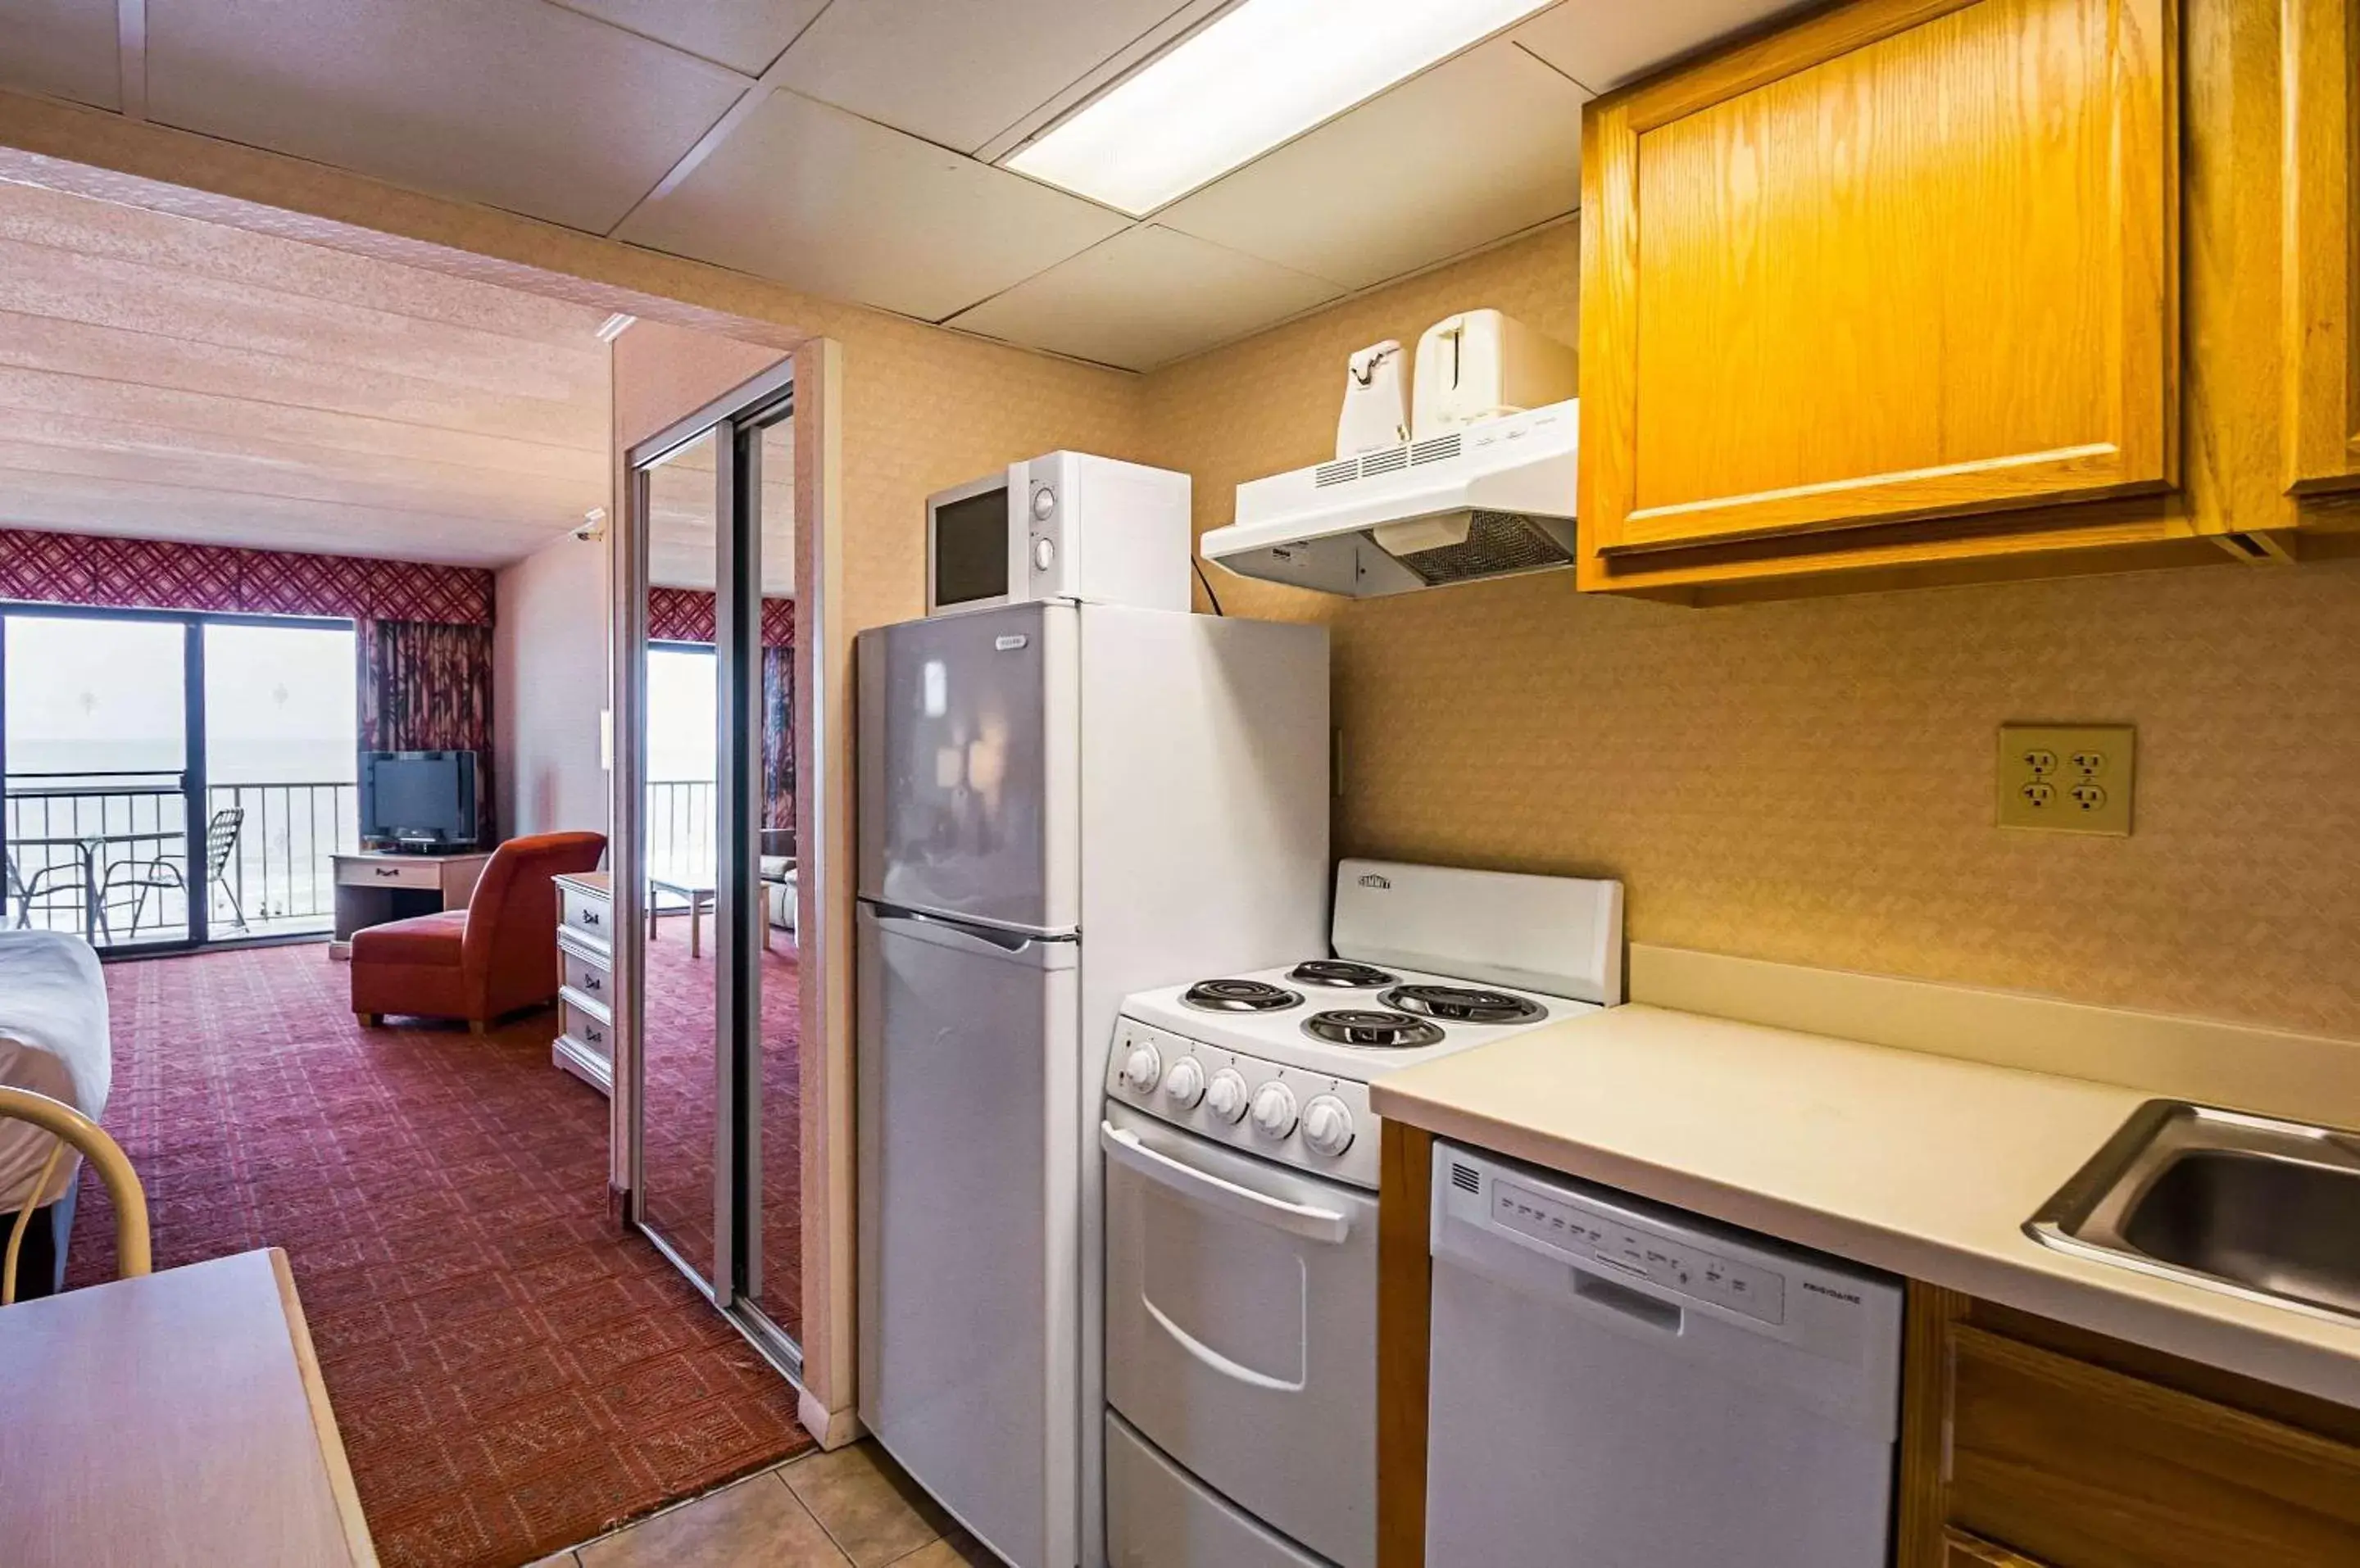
{"points": [[1305, 1220]]}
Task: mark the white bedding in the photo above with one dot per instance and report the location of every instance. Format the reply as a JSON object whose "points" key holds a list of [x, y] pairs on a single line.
{"points": [[53, 1040]]}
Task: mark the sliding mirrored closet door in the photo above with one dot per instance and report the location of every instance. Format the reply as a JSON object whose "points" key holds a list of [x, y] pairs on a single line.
{"points": [[706, 809]]}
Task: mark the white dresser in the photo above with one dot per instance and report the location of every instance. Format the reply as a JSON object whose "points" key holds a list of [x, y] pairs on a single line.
{"points": [[585, 959]]}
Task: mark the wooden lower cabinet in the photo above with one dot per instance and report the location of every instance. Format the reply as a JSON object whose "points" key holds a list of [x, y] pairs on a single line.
{"points": [[2029, 1444], [1962, 1550]]}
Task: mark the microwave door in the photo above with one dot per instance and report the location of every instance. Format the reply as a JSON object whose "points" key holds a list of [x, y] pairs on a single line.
{"points": [[969, 759], [974, 546]]}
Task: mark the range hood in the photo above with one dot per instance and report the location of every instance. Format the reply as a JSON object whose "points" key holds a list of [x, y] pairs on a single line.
{"points": [[1483, 501]]}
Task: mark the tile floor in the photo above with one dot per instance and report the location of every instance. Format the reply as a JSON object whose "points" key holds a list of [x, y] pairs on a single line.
{"points": [[851, 1509]]}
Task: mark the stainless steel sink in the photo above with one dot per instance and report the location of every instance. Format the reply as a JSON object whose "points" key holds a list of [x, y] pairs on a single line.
{"points": [[2260, 1208]]}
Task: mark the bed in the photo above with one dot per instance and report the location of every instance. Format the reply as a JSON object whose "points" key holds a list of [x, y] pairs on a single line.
{"points": [[54, 1040]]}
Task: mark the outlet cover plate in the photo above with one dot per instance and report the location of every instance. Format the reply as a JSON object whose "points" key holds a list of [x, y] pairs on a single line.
{"points": [[2067, 778]]}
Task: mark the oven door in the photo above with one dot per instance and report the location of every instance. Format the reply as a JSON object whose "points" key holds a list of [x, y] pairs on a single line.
{"points": [[1242, 1329]]}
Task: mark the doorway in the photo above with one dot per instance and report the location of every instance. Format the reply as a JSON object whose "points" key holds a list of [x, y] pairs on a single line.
{"points": [[173, 778]]}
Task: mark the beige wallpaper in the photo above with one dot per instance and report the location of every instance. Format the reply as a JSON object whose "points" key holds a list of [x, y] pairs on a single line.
{"points": [[1812, 781]]}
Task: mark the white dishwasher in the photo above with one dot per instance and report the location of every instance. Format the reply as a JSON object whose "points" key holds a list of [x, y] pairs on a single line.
{"points": [[1621, 1384]]}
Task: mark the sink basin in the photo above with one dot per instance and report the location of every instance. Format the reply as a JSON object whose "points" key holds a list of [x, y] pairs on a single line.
{"points": [[2258, 1207]]}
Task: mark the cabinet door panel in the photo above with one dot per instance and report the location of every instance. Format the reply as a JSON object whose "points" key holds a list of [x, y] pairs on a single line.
{"points": [[2322, 110], [1909, 258], [2089, 1468], [1965, 1551]]}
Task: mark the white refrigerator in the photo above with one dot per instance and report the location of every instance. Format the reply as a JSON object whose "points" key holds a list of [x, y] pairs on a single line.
{"points": [[1059, 804]]}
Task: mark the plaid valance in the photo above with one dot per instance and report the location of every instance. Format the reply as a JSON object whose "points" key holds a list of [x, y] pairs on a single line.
{"points": [[685, 614], [159, 574]]}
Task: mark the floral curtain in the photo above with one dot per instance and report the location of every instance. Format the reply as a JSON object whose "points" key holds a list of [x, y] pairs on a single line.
{"points": [[779, 740], [427, 686]]}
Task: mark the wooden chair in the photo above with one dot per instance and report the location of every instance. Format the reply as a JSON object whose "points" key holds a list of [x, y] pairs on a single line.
{"points": [[72, 1130]]}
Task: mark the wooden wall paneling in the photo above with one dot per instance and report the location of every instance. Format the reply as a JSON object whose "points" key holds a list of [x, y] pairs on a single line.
{"points": [[1404, 1312], [2322, 405], [1856, 362]]}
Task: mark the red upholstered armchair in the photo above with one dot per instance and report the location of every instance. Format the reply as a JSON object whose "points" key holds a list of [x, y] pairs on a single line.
{"points": [[495, 956]]}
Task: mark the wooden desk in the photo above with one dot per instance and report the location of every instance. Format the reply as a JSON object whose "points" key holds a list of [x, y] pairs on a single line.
{"points": [[173, 1420], [374, 886]]}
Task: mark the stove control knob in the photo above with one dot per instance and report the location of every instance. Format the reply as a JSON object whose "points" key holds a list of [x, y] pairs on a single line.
{"points": [[1328, 1125], [1142, 1067], [1185, 1082], [1225, 1096], [1273, 1110]]}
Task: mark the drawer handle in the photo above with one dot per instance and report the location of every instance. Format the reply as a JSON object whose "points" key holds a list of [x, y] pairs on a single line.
{"points": [[1306, 1220], [388, 871], [589, 982], [593, 1037], [589, 916]]}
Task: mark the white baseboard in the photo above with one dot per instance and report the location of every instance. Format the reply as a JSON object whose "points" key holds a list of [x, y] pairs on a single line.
{"points": [[834, 1430]]}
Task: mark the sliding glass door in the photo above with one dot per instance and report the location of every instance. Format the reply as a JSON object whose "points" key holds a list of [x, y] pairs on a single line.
{"points": [[174, 779], [101, 790], [707, 1093]]}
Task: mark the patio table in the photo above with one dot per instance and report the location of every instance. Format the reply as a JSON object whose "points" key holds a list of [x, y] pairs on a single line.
{"points": [[91, 847]]}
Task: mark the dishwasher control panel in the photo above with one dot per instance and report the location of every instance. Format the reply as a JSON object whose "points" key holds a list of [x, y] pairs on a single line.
{"points": [[1581, 1231]]}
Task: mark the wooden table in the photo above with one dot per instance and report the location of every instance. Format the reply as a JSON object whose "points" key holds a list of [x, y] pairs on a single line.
{"points": [[173, 1420]]}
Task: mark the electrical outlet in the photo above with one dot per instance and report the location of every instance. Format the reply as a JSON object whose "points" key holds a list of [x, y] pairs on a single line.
{"points": [[2066, 778]]}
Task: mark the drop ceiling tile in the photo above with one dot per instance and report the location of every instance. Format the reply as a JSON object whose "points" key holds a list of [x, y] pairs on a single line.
{"points": [[827, 201], [744, 34], [514, 103], [63, 47], [1605, 43], [1144, 298], [1470, 152], [957, 72]]}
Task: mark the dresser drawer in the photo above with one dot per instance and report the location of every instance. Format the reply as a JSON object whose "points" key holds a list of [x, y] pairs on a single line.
{"points": [[588, 1022], [584, 973], [389, 873], [586, 1046], [591, 914]]}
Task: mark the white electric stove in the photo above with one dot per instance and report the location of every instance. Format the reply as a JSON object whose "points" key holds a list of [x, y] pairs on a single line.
{"points": [[1241, 1216]]}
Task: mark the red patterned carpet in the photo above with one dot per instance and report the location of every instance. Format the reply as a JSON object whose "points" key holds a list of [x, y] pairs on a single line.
{"points": [[512, 1374]]}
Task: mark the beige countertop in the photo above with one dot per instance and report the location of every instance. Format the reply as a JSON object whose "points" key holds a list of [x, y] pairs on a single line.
{"points": [[1920, 1164]]}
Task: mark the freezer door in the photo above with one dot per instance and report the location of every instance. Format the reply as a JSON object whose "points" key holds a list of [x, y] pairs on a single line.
{"points": [[968, 1271], [970, 766]]}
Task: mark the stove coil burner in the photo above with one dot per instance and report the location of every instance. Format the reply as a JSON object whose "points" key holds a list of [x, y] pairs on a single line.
{"points": [[1371, 1026], [1239, 996], [1463, 1004], [1340, 974]]}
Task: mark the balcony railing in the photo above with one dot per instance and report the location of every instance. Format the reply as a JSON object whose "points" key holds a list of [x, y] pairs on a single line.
{"points": [[680, 824], [64, 828]]}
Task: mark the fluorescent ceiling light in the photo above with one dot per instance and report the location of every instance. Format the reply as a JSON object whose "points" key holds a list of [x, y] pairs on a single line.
{"points": [[1261, 73]]}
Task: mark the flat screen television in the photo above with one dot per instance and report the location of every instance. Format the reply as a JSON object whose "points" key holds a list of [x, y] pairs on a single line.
{"points": [[419, 800]]}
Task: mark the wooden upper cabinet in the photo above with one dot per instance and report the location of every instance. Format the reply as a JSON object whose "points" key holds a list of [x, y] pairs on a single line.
{"points": [[2323, 236], [1905, 259]]}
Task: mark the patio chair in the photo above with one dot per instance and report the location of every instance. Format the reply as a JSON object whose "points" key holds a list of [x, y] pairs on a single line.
{"points": [[163, 874], [65, 879]]}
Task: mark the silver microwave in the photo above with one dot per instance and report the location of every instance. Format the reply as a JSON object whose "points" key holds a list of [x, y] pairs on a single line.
{"points": [[1065, 526]]}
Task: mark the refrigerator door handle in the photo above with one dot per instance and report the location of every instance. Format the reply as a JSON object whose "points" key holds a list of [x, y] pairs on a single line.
{"points": [[1306, 1220], [1041, 952]]}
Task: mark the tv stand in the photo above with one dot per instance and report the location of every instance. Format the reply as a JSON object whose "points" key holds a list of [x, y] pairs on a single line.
{"points": [[377, 886]]}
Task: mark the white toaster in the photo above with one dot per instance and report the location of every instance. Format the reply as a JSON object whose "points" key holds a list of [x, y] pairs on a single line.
{"points": [[1480, 364]]}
